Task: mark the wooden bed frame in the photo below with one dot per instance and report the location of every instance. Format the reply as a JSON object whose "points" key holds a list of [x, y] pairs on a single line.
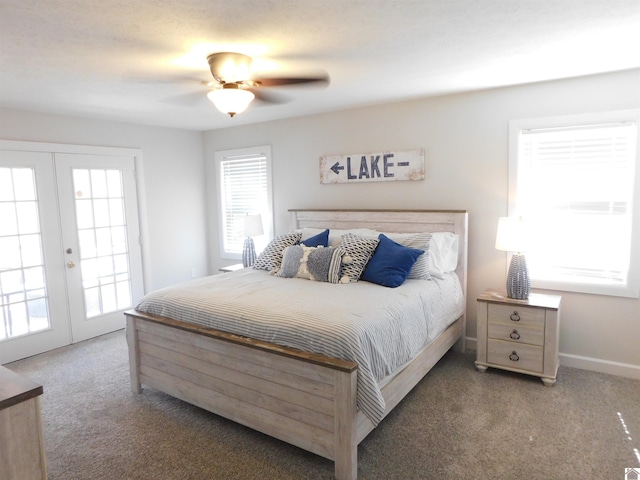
{"points": [[302, 398]]}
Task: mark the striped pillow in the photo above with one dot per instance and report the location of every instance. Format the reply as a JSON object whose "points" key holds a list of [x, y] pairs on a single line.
{"points": [[358, 252], [271, 258], [420, 270]]}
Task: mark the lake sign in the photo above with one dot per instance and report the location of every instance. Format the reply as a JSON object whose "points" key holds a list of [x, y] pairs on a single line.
{"points": [[372, 167]]}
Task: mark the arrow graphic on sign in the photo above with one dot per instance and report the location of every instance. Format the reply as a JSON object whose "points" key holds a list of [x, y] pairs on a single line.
{"points": [[336, 168]]}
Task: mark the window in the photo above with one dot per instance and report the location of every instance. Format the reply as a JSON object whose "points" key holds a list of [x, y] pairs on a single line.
{"points": [[575, 179], [244, 181]]}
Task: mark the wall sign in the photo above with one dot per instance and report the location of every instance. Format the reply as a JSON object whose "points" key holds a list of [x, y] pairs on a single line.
{"points": [[372, 167]]}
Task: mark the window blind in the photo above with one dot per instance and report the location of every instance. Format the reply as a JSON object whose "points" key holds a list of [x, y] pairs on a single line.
{"points": [[576, 188], [243, 183]]}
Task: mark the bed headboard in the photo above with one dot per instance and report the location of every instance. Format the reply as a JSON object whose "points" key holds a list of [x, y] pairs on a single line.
{"points": [[400, 221]]}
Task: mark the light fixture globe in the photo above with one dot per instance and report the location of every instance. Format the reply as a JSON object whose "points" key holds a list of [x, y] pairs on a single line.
{"points": [[231, 99]]}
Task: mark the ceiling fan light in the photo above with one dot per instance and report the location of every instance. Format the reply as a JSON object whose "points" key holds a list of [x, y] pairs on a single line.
{"points": [[231, 100]]}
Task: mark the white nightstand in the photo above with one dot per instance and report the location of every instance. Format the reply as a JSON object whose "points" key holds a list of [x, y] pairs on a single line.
{"points": [[231, 268], [519, 335]]}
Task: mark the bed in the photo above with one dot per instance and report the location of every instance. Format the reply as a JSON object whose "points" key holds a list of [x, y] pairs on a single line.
{"points": [[316, 401]]}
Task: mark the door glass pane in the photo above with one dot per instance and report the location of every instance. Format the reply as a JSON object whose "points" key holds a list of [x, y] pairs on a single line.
{"points": [[6, 184], [9, 252], [84, 213], [27, 213], [102, 237], [9, 222], [116, 211], [31, 250], [87, 241], [92, 302], [34, 278], [98, 183], [114, 185], [23, 296], [24, 185], [101, 213], [81, 183]]}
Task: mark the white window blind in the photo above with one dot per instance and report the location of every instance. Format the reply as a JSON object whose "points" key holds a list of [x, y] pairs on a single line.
{"points": [[575, 186], [244, 189]]}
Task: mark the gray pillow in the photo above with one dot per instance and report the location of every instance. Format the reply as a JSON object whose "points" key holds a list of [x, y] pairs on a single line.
{"points": [[271, 258], [313, 263]]}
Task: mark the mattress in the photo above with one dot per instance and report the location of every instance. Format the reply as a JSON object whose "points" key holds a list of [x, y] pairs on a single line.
{"points": [[379, 328]]}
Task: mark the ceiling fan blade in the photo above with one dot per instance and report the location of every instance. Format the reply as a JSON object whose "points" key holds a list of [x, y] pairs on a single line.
{"points": [[173, 79], [290, 81], [187, 99], [269, 97]]}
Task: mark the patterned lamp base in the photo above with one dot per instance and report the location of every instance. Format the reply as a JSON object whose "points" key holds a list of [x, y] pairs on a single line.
{"points": [[248, 253], [518, 282]]}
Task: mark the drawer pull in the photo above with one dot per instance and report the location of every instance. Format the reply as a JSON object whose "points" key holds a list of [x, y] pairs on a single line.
{"points": [[515, 317], [514, 356], [514, 335]]}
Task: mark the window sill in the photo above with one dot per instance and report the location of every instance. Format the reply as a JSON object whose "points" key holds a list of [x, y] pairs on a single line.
{"points": [[627, 291]]}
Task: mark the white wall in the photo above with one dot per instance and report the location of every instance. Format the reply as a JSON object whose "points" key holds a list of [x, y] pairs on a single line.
{"points": [[173, 171], [465, 138]]}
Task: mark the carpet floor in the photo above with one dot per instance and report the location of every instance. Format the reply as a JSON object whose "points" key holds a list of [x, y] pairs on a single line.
{"points": [[456, 424]]}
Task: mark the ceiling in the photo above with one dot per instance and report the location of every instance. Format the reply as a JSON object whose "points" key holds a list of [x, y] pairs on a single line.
{"points": [[144, 61]]}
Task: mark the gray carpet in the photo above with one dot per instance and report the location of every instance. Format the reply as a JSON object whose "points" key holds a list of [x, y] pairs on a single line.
{"points": [[456, 424]]}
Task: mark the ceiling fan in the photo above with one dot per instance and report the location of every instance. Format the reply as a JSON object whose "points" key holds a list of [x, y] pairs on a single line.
{"points": [[235, 89]]}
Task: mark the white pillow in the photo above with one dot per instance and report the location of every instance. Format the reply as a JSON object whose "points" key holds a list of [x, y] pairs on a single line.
{"points": [[443, 253]]}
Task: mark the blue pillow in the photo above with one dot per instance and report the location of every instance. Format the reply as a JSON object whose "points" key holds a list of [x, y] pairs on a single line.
{"points": [[321, 239], [391, 263]]}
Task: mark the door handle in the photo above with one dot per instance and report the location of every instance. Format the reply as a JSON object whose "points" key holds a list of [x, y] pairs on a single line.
{"points": [[70, 264]]}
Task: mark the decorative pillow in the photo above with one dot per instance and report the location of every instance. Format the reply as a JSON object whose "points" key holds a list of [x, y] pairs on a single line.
{"points": [[308, 232], [443, 253], [313, 263], [421, 241], [358, 252], [271, 258], [391, 263], [319, 240], [335, 235]]}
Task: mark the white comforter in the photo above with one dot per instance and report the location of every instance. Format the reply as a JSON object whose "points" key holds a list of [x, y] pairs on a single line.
{"points": [[379, 328]]}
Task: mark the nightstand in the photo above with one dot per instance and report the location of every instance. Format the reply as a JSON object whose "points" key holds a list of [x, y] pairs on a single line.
{"points": [[21, 428], [231, 268], [519, 335]]}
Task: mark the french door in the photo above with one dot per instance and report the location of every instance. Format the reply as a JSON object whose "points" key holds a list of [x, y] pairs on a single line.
{"points": [[70, 259]]}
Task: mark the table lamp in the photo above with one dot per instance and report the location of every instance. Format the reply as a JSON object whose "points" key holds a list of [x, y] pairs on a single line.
{"points": [[513, 236], [252, 228]]}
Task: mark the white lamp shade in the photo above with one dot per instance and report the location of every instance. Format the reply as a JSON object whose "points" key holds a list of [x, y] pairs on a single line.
{"points": [[513, 235], [253, 225], [231, 100]]}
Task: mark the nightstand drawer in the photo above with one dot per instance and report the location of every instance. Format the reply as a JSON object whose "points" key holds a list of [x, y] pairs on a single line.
{"points": [[516, 315], [512, 355], [516, 333]]}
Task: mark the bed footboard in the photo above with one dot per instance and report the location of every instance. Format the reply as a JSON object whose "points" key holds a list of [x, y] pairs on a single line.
{"points": [[304, 399]]}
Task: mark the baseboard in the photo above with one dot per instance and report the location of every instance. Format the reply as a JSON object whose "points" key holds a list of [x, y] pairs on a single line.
{"points": [[470, 343], [602, 366], [584, 363]]}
